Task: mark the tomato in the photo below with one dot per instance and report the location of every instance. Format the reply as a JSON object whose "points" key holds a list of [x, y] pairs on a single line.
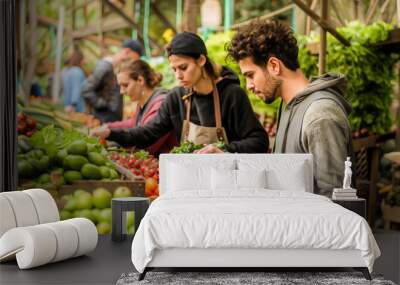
{"points": [[156, 191], [21, 116], [151, 187], [151, 172], [31, 123], [137, 164]]}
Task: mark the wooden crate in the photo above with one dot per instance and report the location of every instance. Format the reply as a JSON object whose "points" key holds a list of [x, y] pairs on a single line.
{"points": [[136, 186], [390, 215]]}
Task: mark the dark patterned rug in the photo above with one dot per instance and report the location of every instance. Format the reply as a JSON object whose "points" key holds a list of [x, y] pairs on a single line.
{"points": [[242, 278]]}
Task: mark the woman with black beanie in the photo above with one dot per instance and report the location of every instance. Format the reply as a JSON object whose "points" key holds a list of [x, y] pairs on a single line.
{"points": [[209, 106]]}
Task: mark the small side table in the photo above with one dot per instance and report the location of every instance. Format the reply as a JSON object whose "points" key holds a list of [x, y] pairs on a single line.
{"points": [[120, 206], [357, 205]]}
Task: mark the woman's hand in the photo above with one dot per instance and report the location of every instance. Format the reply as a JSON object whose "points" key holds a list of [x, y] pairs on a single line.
{"points": [[102, 132], [208, 149]]}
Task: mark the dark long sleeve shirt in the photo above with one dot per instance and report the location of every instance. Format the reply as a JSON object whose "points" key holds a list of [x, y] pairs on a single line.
{"points": [[101, 93]]}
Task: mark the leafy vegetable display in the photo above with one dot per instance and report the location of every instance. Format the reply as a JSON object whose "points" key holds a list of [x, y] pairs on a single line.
{"points": [[53, 157], [186, 147], [190, 147]]}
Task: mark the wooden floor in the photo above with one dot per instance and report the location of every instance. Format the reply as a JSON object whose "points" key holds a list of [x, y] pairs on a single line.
{"points": [[110, 259]]}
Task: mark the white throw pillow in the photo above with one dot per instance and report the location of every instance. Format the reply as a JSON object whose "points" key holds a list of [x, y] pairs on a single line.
{"points": [[281, 173], [251, 178], [291, 180], [188, 176], [223, 179], [183, 177], [227, 179]]}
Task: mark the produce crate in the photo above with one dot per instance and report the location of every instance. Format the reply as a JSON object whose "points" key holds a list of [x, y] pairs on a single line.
{"points": [[390, 214], [136, 186]]}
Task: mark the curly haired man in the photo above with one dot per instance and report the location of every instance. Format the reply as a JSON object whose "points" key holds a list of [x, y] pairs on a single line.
{"points": [[314, 119]]}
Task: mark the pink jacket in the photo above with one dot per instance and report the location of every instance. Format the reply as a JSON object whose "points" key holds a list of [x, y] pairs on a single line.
{"points": [[165, 143]]}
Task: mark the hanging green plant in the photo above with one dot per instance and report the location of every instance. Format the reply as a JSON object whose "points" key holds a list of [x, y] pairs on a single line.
{"points": [[369, 71]]}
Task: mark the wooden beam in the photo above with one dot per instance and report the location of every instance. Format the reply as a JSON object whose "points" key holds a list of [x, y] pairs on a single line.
{"points": [[90, 49], [355, 9], [77, 7], [398, 12], [322, 34], [383, 9], [308, 23], [107, 40], [322, 22], [371, 11], [130, 21], [46, 21], [162, 17], [108, 26], [265, 17], [115, 37], [338, 16]]}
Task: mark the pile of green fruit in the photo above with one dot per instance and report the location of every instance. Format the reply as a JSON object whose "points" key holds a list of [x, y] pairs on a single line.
{"points": [[96, 207], [80, 161], [53, 157]]}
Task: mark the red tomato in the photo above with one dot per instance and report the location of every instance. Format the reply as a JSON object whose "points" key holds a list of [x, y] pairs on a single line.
{"points": [[150, 187], [151, 172], [137, 164]]}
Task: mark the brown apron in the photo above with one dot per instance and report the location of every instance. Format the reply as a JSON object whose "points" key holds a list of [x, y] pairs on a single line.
{"points": [[199, 134]]}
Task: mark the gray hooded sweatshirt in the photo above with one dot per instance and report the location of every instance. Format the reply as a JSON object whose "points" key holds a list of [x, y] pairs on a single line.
{"points": [[316, 122]]}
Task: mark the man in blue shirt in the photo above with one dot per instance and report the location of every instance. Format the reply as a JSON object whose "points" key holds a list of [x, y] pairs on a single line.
{"points": [[73, 78]]}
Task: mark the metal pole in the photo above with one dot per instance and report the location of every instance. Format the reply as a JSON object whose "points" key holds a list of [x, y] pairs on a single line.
{"points": [[179, 15], [322, 46], [136, 19], [227, 14], [56, 80], [146, 21]]}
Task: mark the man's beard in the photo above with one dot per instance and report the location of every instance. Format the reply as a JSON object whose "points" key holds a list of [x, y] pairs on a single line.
{"points": [[271, 92]]}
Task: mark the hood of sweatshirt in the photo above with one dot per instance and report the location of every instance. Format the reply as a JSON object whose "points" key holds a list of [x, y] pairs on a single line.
{"points": [[333, 82]]}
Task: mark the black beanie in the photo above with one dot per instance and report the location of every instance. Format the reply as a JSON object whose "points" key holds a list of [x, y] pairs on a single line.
{"points": [[187, 43]]}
